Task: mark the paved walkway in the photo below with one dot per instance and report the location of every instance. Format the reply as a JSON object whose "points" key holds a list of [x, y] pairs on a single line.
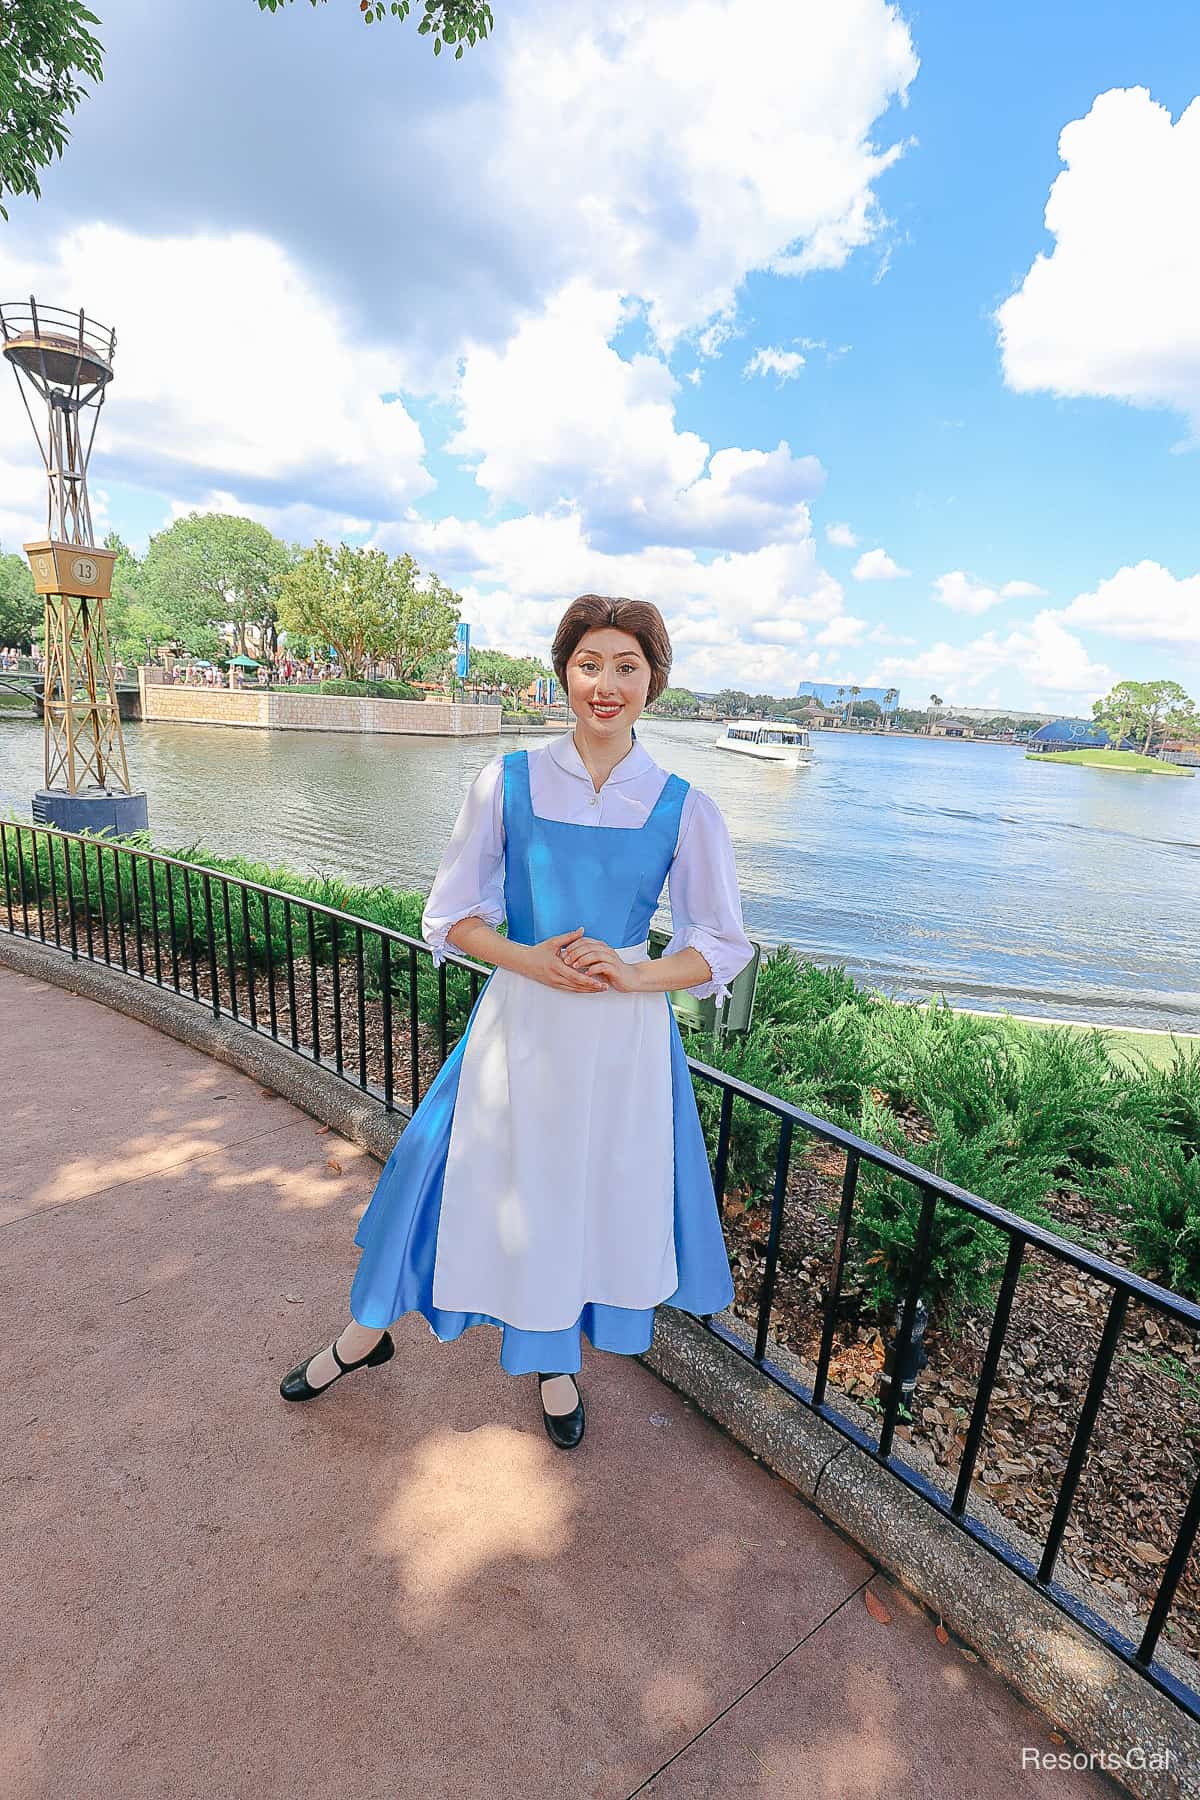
{"points": [[403, 1588]]}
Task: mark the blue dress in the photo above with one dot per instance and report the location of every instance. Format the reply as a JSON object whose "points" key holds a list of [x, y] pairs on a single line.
{"points": [[557, 876]]}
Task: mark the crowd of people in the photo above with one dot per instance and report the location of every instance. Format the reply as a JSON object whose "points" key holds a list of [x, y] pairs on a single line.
{"points": [[286, 670]]}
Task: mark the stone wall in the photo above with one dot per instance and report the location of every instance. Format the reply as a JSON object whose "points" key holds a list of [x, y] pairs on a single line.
{"points": [[261, 709]]}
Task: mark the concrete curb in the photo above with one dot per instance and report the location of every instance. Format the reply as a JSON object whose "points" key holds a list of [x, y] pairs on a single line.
{"points": [[1103, 1706], [1095, 1699]]}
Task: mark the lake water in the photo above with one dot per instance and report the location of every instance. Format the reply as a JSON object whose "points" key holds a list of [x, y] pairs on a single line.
{"points": [[923, 865]]}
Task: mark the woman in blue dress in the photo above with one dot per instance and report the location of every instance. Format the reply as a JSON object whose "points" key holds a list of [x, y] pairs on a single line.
{"points": [[554, 1180]]}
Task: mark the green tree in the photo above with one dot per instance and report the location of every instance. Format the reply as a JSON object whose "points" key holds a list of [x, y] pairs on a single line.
{"points": [[1143, 709], [889, 702], [370, 607], [935, 701], [677, 703], [20, 607], [457, 22], [44, 47], [508, 675], [209, 569], [133, 621], [732, 703], [855, 691]]}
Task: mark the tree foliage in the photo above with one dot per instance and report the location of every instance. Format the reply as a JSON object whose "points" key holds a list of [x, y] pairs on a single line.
{"points": [[20, 608], [209, 568], [1144, 710], [456, 22], [511, 675], [45, 46], [369, 607]]}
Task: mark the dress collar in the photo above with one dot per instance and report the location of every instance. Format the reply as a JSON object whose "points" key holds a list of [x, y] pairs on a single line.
{"points": [[636, 762]]}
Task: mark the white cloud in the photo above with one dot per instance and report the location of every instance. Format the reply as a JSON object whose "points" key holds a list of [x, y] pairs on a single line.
{"points": [[1050, 660], [770, 360], [1114, 308], [558, 417], [695, 376], [298, 523], [740, 618], [714, 337], [275, 395], [841, 536], [697, 140], [843, 630], [669, 150], [877, 565], [1143, 604], [964, 594]]}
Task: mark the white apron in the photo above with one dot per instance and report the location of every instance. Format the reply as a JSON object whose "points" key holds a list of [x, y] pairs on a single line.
{"points": [[559, 1180]]}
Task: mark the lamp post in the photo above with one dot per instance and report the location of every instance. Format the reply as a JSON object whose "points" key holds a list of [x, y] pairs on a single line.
{"points": [[64, 360]]}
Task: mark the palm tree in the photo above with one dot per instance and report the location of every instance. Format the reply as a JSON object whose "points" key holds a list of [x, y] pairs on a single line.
{"points": [[855, 691], [841, 694], [935, 700], [889, 700]]}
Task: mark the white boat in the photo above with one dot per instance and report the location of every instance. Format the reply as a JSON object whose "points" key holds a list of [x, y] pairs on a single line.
{"points": [[770, 740]]}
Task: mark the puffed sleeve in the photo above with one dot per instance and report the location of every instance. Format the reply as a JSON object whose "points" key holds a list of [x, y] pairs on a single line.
{"points": [[470, 878], [706, 906]]}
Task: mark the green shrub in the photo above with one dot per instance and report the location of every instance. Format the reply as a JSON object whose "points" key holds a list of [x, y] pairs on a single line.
{"points": [[967, 1255], [833, 1057], [373, 690], [944, 1062], [753, 1131], [1069, 1085], [1152, 1183], [1166, 1100]]}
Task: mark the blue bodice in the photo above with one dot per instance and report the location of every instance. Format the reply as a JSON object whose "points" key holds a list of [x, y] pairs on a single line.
{"points": [[606, 878]]}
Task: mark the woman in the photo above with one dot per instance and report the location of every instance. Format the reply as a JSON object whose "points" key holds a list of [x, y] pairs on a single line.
{"points": [[554, 1179]]}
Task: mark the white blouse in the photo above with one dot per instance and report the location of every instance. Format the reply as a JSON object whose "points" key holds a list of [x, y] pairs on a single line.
{"points": [[706, 908]]}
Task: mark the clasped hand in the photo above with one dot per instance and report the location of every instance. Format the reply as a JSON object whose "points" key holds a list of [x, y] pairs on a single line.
{"points": [[582, 965]]}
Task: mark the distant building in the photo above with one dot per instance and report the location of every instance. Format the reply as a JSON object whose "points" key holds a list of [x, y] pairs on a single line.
{"points": [[956, 728], [976, 714], [1073, 734], [1176, 751], [837, 693]]}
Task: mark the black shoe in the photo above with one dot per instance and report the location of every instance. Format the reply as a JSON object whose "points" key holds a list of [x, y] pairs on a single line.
{"points": [[564, 1429], [295, 1384]]}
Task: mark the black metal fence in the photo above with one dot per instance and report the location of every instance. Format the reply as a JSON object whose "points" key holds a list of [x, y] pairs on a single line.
{"points": [[329, 986]]}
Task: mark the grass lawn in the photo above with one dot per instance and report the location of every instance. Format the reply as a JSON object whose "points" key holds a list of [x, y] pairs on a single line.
{"points": [[1158, 1047], [1131, 760]]}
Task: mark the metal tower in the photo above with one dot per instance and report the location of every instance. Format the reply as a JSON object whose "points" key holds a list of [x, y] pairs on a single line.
{"points": [[65, 360]]}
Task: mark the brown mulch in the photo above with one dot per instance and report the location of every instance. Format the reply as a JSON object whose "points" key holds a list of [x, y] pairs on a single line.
{"points": [[1144, 1452], [1143, 1457]]}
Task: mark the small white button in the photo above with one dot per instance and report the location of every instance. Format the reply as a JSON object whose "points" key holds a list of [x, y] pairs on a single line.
{"points": [[595, 799]]}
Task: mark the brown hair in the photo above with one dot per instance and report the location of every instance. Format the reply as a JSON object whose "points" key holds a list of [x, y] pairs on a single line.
{"points": [[639, 618]]}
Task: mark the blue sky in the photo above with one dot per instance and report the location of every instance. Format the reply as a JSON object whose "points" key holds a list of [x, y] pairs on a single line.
{"points": [[747, 308]]}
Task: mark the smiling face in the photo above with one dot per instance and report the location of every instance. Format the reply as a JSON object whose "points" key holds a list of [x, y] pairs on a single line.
{"points": [[608, 669]]}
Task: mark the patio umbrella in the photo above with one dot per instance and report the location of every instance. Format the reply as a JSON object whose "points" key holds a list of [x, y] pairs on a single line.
{"points": [[243, 662]]}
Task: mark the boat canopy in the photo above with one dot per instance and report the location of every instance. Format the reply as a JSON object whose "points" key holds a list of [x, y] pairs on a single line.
{"points": [[765, 731]]}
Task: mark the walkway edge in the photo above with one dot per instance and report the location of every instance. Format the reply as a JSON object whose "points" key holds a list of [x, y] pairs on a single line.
{"points": [[1093, 1697]]}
